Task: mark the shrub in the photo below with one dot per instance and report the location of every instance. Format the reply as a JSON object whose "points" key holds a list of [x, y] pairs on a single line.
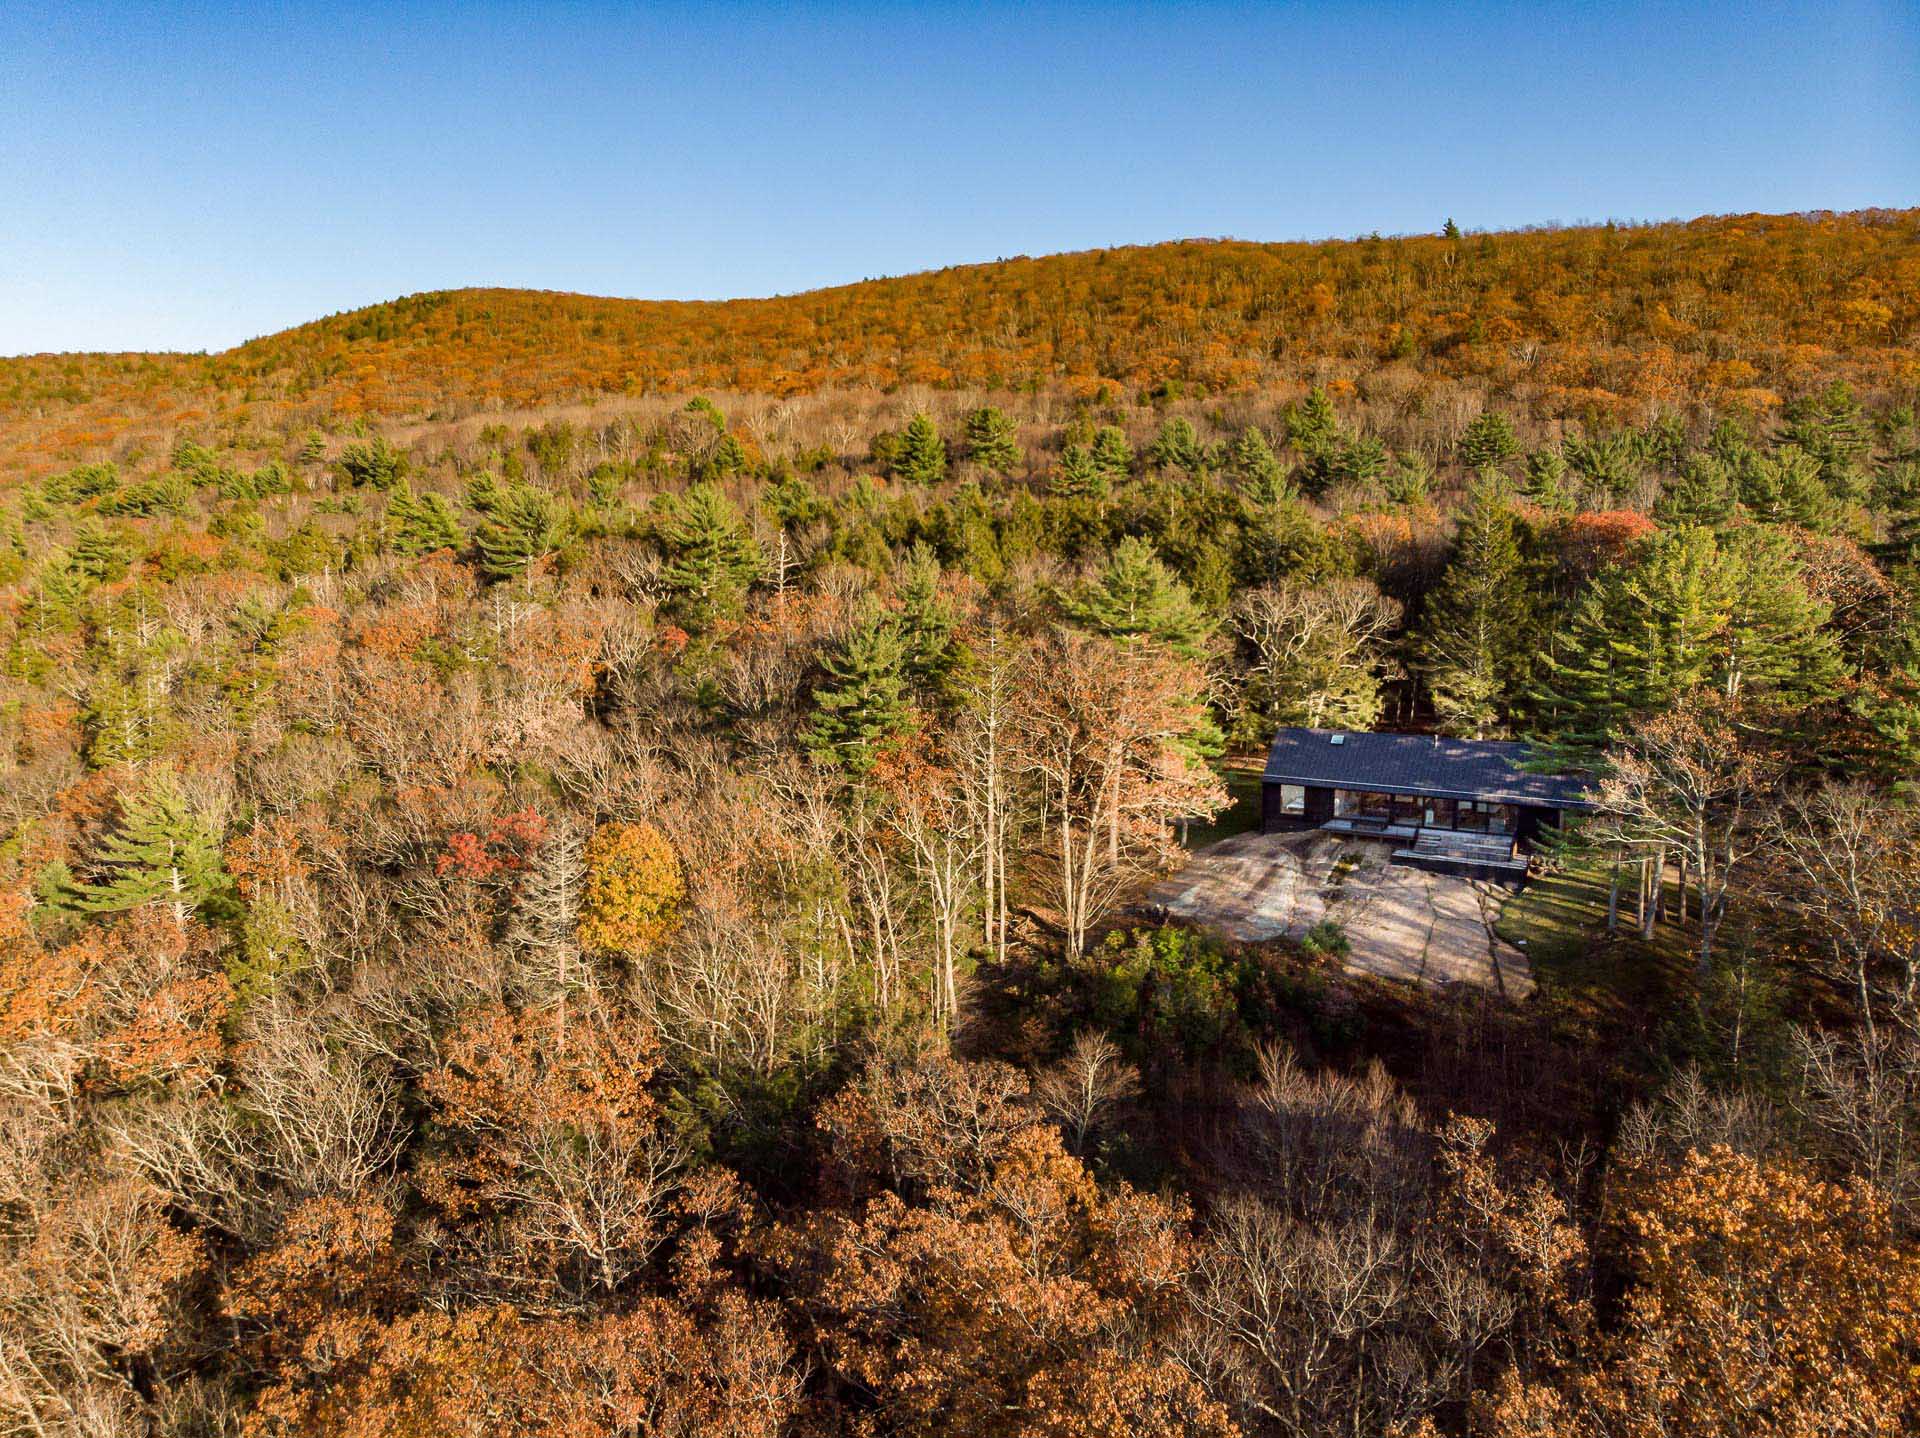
{"points": [[1326, 939]]}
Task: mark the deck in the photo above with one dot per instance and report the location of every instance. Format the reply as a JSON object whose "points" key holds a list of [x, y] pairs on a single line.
{"points": [[1442, 851]]}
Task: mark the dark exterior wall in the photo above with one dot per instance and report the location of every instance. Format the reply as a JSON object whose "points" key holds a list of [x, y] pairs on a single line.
{"points": [[1529, 821], [1272, 820]]}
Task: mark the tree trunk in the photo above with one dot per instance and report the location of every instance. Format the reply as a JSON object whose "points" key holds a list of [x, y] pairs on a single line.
{"points": [[1650, 904]]}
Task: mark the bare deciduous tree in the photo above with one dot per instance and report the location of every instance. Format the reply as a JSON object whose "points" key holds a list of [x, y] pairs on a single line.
{"points": [[1846, 866], [1080, 1090], [1099, 728], [1691, 780], [1314, 649]]}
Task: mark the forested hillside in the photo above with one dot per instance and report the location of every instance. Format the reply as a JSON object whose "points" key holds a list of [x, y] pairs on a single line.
{"points": [[1592, 323], [576, 867]]}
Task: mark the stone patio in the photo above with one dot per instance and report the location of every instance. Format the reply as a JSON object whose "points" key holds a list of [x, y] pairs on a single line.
{"points": [[1403, 923]]}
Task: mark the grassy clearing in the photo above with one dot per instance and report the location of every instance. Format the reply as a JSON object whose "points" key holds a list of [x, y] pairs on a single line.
{"points": [[1242, 779], [1561, 923]]}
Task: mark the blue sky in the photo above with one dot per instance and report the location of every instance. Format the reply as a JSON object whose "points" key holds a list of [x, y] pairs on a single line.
{"points": [[188, 176]]}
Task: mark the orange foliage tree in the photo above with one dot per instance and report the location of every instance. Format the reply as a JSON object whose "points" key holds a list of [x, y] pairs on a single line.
{"points": [[1764, 1303], [977, 1280], [551, 1146]]}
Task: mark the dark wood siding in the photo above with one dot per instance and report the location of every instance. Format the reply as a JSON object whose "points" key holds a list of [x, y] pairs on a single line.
{"points": [[1271, 819], [1319, 802]]}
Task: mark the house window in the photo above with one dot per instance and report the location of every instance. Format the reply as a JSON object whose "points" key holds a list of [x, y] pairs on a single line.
{"points": [[1293, 799], [1484, 818]]}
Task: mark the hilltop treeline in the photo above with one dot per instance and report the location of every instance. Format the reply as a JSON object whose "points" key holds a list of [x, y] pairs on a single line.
{"points": [[1598, 323], [627, 917]]}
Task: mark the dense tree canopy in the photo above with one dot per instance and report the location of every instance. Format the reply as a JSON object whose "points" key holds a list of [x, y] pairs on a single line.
{"points": [[584, 868]]}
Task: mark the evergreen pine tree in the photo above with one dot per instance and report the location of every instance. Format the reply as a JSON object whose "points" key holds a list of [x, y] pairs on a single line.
{"points": [[1610, 464], [1702, 493], [525, 526], [963, 527], [1312, 425], [1784, 487], [1831, 430], [926, 620], [372, 462], [57, 593], [1077, 476], [1689, 609], [1112, 455], [96, 553], [1270, 493], [421, 524], [1177, 447], [160, 853], [703, 411], [1253, 463], [1662, 444], [1891, 710], [1587, 692], [792, 501], [1137, 596], [1670, 614], [604, 482], [1546, 479], [991, 440], [1411, 479], [273, 477], [14, 553], [921, 457], [1476, 639], [1488, 441], [126, 721], [1890, 707], [1776, 640], [862, 707], [485, 493], [711, 559], [729, 457], [1896, 501], [1314, 431], [58, 895], [1361, 460]]}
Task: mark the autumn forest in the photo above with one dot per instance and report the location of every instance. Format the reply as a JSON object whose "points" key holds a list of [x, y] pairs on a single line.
{"points": [[580, 867]]}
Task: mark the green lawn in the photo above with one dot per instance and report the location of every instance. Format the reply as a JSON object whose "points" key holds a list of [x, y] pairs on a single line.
{"points": [[1561, 922], [1243, 813]]}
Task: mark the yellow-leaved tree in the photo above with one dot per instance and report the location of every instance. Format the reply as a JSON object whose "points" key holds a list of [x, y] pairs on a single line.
{"points": [[635, 891]]}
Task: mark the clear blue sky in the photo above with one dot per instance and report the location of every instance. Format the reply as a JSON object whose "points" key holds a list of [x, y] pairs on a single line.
{"points": [[188, 176]]}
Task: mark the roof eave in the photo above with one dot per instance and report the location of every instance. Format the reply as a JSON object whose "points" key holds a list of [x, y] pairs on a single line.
{"points": [[1494, 796]]}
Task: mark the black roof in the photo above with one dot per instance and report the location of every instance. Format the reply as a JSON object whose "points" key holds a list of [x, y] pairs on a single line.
{"points": [[1424, 764]]}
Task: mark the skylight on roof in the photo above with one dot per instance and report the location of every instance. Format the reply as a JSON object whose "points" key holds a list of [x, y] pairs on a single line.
{"points": [[1338, 738]]}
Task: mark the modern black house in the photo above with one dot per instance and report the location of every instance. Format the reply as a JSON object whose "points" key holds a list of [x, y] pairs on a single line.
{"points": [[1460, 806]]}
